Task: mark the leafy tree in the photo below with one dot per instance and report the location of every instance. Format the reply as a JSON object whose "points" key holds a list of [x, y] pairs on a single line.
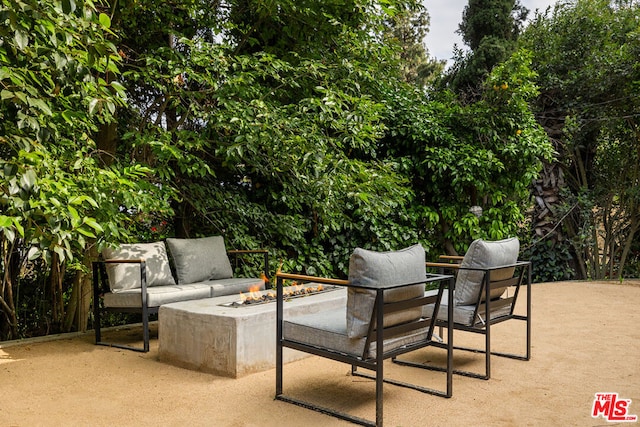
{"points": [[266, 123], [284, 125], [490, 29], [56, 196], [586, 54], [484, 154], [408, 29]]}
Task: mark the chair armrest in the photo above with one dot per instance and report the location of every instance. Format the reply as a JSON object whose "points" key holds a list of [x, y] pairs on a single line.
{"points": [[315, 279], [451, 262], [247, 251], [443, 265], [342, 282], [100, 280], [519, 263], [122, 261], [457, 258]]}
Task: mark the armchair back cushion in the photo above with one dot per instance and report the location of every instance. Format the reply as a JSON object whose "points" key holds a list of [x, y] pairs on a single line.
{"points": [[127, 276], [383, 268], [200, 259], [484, 254]]}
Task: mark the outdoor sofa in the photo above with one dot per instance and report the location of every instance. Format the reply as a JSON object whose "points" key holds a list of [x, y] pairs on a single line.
{"points": [[140, 277]]}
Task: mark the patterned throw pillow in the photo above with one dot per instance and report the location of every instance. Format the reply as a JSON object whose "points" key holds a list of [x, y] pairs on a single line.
{"points": [[127, 276]]}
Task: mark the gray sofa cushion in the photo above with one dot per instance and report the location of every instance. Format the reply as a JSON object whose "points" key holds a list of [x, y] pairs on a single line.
{"points": [[127, 276], [234, 285], [201, 259], [160, 295], [383, 268], [481, 255], [157, 296]]}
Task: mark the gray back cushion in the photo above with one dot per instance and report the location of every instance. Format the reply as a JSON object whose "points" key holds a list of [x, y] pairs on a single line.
{"points": [[484, 254], [201, 259], [127, 276], [378, 269]]}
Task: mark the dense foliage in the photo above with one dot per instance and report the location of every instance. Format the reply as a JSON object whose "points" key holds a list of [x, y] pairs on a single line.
{"points": [[270, 140], [289, 125], [462, 156], [586, 57], [56, 194]]}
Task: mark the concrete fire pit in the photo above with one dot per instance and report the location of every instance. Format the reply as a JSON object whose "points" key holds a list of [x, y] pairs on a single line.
{"points": [[217, 335]]}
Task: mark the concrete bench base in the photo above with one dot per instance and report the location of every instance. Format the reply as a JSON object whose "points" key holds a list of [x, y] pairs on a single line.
{"points": [[231, 341]]}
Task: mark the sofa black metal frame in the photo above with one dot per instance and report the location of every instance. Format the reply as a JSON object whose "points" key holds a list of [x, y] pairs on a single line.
{"points": [[101, 286], [382, 340], [501, 309]]}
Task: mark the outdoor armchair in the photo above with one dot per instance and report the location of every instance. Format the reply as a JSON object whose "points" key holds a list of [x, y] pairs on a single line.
{"points": [[488, 283], [384, 288]]}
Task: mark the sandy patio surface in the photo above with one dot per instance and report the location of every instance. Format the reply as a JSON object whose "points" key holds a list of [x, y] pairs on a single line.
{"points": [[586, 339]]}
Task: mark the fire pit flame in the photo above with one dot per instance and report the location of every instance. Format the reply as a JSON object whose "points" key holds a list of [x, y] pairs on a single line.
{"points": [[252, 296], [255, 296]]}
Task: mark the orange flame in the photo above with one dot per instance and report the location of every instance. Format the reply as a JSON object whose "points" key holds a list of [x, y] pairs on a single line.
{"points": [[255, 294]]}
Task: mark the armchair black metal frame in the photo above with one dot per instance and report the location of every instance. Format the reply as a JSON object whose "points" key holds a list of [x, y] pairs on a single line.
{"points": [[369, 360], [482, 323], [101, 285]]}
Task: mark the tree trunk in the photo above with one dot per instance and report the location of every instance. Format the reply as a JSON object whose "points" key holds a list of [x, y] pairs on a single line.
{"points": [[449, 249], [595, 255], [633, 230], [56, 275], [580, 263], [72, 308], [546, 191], [77, 316], [9, 318], [11, 262], [106, 140], [79, 305]]}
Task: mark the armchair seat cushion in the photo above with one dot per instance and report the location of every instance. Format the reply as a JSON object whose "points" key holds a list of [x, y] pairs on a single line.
{"points": [[462, 314], [328, 330]]}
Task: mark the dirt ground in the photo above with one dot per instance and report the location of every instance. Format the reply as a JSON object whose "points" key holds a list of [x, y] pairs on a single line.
{"points": [[586, 340]]}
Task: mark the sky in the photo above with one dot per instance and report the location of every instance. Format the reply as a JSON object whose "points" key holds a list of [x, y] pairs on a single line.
{"points": [[445, 18]]}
